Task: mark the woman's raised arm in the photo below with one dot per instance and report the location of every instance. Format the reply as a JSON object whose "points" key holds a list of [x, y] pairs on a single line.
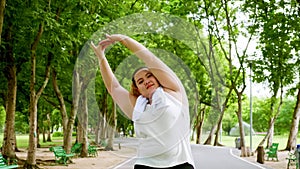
{"points": [[121, 96], [161, 71]]}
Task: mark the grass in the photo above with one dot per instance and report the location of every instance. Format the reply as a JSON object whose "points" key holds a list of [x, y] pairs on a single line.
{"points": [[256, 139], [22, 141]]}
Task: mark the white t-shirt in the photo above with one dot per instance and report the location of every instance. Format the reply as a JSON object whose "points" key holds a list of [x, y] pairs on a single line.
{"points": [[163, 131]]}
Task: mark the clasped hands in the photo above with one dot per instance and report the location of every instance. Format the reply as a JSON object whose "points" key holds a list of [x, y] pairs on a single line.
{"points": [[103, 44]]}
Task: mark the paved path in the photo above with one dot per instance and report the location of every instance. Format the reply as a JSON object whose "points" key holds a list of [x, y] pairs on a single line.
{"points": [[206, 157]]}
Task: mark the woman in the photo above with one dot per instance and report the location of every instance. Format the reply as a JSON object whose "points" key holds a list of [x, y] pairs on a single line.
{"points": [[157, 104]]}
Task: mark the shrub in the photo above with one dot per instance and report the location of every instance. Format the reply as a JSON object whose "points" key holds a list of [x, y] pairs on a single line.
{"points": [[57, 134]]}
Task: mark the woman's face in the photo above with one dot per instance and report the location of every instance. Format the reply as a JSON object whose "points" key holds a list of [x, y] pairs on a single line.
{"points": [[146, 82]]}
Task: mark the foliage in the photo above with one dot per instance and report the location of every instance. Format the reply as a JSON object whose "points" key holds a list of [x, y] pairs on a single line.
{"points": [[57, 134], [282, 124], [2, 118], [21, 123], [60, 134]]}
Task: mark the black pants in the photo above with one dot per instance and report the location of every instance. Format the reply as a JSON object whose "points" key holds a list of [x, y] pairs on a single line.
{"points": [[181, 166]]}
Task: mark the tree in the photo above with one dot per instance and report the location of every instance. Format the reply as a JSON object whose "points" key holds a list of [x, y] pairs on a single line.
{"points": [[34, 97], [2, 8], [292, 140], [279, 49]]}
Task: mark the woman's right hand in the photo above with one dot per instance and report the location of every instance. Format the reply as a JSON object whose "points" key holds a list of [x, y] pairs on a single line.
{"points": [[99, 50], [103, 44], [116, 37]]}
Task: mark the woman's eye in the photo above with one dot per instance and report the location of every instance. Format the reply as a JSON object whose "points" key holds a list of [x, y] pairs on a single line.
{"points": [[140, 82]]}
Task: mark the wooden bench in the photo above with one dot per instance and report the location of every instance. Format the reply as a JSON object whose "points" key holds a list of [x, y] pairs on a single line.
{"points": [[60, 155], [3, 163], [272, 151]]}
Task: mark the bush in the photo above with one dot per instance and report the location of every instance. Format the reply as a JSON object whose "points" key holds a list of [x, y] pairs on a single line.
{"points": [[60, 134], [57, 134]]}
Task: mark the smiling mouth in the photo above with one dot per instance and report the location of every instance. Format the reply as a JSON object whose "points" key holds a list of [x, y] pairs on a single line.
{"points": [[148, 86]]}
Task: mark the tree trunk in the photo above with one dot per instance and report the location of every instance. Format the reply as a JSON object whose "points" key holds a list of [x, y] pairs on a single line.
{"points": [[62, 105], [76, 93], [2, 8], [292, 141], [211, 134], [44, 135], [241, 126], [38, 134], [9, 142], [10, 72], [103, 119], [31, 154], [97, 132], [199, 124], [79, 133], [34, 97], [112, 128], [48, 128], [271, 129], [83, 123], [222, 111], [273, 119]]}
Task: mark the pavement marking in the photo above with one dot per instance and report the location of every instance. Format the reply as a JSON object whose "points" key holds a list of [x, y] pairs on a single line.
{"points": [[245, 160], [123, 163]]}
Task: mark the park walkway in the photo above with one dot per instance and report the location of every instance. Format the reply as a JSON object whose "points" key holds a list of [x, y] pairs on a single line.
{"points": [[206, 157]]}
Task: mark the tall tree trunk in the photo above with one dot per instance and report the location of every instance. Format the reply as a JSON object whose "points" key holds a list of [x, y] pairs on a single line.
{"points": [[83, 123], [199, 124], [273, 119], [2, 8], [241, 126], [97, 132], [103, 119], [211, 134], [44, 135], [48, 128], [62, 105], [10, 72], [79, 133], [76, 90], [38, 145], [224, 105], [9, 142], [112, 128], [292, 141], [34, 97]]}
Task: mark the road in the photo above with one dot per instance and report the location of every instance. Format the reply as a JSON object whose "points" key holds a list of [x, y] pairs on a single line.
{"points": [[206, 157]]}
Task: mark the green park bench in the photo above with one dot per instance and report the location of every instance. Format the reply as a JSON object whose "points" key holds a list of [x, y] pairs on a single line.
{"points": [[272, 151], [3, 163], [293, 159], [60, 154], [92, 150], [76, 148]]}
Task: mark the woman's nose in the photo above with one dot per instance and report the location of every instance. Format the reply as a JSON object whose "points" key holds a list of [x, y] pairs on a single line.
{"points": [[146, 82]]}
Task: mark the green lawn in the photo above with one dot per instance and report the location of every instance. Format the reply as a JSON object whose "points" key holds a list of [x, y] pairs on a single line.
{"points": [[22, 141], [256, 139]]}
